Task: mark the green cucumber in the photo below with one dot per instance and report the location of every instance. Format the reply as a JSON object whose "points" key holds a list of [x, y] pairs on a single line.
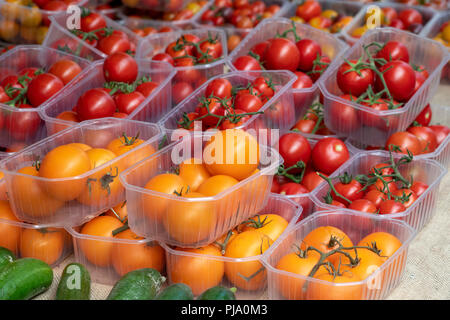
{"points": [[141, 284], [75, 283], [6, 257], [218, 293], [24, 278], [176, 291]]}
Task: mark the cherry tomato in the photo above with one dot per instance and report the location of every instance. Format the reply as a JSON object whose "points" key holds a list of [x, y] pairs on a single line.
{"points": [[128, 102], [393, 50], [309, 50], [354, 82], [405, 141], [42, 88], [65, 70], [220, 88], [282, 54], [426, 136], [246, 63], [400, 79], [120, 67], [23, 125], [329, 154], [94, 104], [293, 147], [391, 206], [441, 132], [308, 10], [344, 118]]}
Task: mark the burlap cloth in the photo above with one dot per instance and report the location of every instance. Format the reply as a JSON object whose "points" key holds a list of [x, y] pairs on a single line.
{"points": [[427, 274]]}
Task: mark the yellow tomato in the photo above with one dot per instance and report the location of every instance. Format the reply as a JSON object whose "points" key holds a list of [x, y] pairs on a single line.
{"points": [[193, 173], [298, 19], [446, 33], [103, 186], [9, 30], [30, 16], [330, 14]]}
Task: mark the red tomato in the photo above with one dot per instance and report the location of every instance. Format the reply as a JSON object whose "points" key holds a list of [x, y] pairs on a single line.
{"points": [[419, 188], [400, 79], [42, 88], [308, 10], [351, 190], [65, 70], [282, 54], [303, 81], [23, 125], [410, 16], [354, 82], [329, 154], [95, 103], [180, 91], [391, 206], [363, 205], [294, 147], [264, 87], [344, 118], [441, 132], [424, 116], [426, 136], [309, 51], [312, 180], [113, 44], [248, 102], [128, 102], [406, 141], [120, 67], [220, 88], [260, 49], [246, 63], [393, 50], [376, 197], [92, 22], [146, 88], [164, 57]]}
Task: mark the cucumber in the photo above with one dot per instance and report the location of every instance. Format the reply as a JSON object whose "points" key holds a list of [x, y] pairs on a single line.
{"points": [[24, 278], [6, 257], [176, 291], [75, 283], [141, 284], [218, 293]]}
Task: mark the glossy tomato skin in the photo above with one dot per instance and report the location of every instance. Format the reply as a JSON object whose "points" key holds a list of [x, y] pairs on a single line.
{"points": [[342, 117], [42, 88], [293, 147], [220, 88], [309, 50], [246, 63], [22, 125], [352, 191], [393, 50], [406, 141], [391, 206], [282, 54], [426, 136], [308, 10], [424, 117], [329, 154], [400, 79], [441, 132], [120, 67], [351, 82], [94, 104], [65, 70], [292, 188], [128, 102]]}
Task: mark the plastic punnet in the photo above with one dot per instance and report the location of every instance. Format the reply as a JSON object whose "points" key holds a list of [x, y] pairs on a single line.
{"points": [[432, 55], [427, 171], [151, 213], [184, 266], [151, 109], [41, 202], [284, 285], [269, 28], [12, 132]]}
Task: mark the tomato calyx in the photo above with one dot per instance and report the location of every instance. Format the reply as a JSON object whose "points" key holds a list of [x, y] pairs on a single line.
{"points": [[292, 30], [330, 183], [256, 222], [225, 242], [85, 12], [180, 194], [107, 179], [318, 66], [297, 178], [127, 141], [257, 58]]}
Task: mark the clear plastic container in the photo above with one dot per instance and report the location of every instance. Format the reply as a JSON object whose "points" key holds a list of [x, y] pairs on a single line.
{"points": [[344, 8], [158, 103], [43, 242], [135, 22], [269, 28], [151, 213], [3, 194], [156, 16], [271, 119], [359, 19], [432, 55], [441, 116], [194, 76], [60, 37], [25, 23], [109, 258], [284, 285], [156, 5], [72, 201], [203, 271], [241, 32], [305, 200], [24, 126], [438, 5], [427, 171]]}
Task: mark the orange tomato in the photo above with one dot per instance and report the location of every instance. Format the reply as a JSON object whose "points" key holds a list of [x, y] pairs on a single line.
{"points": [[3, 195], [233, 41], [368, 262], [193, 173], [271, 225], [232, 152], [65, 162], [44, 244], [190, 221], [120, 212], [125, 144], [67, 116], [327, 291], [82, 146], [154, 206], [324, 239], [216, 184], [29, 197], [198, 272], [9, 234], [65, 69], [98, 252], [290, 287], [127, 257], [248, 275], [385, 242], [103, 186]]}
